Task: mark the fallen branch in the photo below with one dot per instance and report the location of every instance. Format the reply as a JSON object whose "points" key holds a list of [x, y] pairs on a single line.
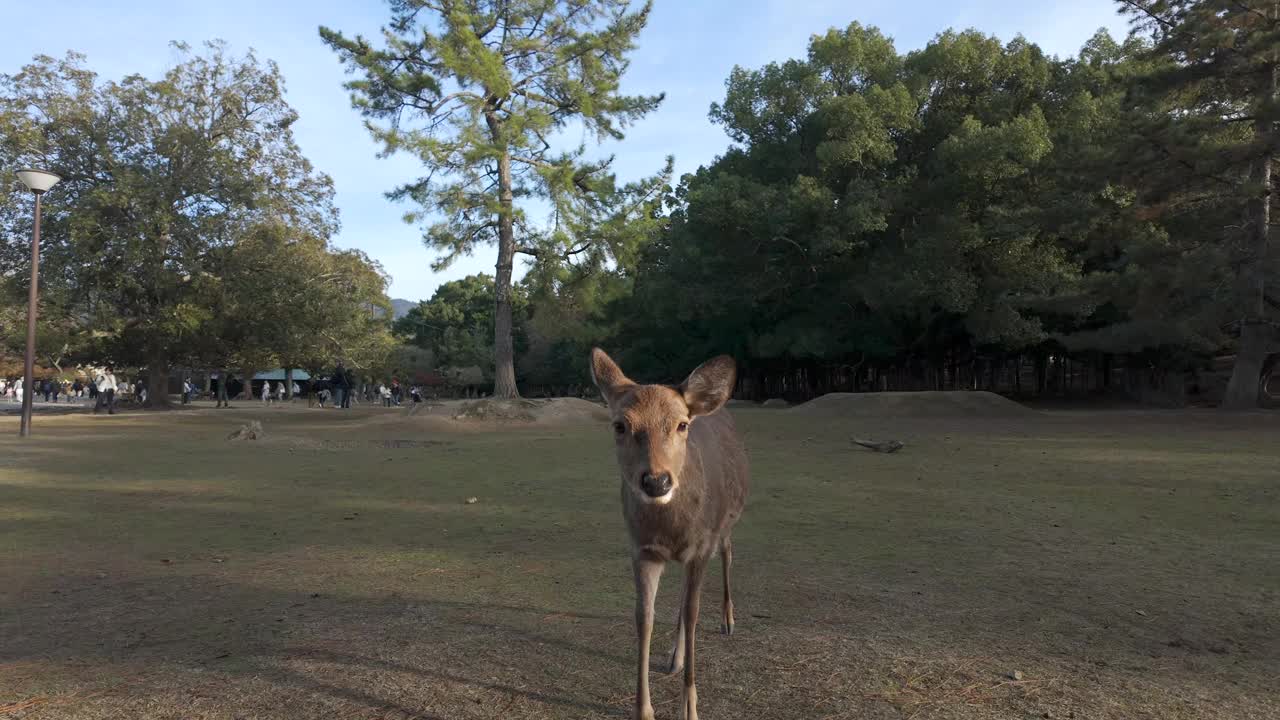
{"points": [[22, 705], [884, 446]]}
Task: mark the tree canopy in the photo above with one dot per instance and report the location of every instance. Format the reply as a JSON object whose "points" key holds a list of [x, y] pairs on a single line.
{"points": [[188, 225], [477, 90], [976, 200]]}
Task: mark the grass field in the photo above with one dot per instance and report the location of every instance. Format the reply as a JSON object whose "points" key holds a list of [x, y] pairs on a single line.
{"points": [[1086, 565]]}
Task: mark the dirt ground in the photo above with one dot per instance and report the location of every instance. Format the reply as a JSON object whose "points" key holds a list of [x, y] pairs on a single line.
{"points": [[1026, 565]]}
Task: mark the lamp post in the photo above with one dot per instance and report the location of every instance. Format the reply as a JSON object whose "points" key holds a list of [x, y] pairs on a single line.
{"points": [[38, 182]]}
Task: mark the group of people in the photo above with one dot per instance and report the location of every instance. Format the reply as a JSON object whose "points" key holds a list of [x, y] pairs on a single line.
{"points": [[393, 395], [105, 389], [52, 389], [341, 388], [276, 392], [340, 383]]}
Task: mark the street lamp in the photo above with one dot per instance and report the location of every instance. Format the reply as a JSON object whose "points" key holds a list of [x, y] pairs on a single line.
{"points": [[38, 182]]}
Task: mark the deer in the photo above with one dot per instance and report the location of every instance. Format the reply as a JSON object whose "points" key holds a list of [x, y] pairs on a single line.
{"points": [[684, 484]]}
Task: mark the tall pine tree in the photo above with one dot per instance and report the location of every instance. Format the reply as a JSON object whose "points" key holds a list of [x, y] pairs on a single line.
{"points": [[477, 89], [1211, 144]]}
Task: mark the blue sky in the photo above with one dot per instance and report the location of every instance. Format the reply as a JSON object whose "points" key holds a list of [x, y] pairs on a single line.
{"points": [[686, 51]]}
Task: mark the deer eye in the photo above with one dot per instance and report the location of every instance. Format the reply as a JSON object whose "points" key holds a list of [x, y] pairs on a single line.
{"points": [[682, 427], [619, 428]]}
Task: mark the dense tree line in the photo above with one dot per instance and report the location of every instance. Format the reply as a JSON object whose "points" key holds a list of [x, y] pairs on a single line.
{"points": [[971, 213], [188, 228]]}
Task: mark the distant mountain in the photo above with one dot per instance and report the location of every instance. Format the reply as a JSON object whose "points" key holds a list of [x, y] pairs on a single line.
{"points": [[401, 307]]}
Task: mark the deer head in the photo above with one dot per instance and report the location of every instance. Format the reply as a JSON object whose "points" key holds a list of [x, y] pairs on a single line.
{"points": [[651, 422]]}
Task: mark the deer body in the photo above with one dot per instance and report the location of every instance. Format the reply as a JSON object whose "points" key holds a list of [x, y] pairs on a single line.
{"points": [[684, 484]]}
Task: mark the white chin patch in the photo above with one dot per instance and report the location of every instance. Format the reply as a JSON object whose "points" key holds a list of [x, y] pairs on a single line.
{"points": [[661, 499]]}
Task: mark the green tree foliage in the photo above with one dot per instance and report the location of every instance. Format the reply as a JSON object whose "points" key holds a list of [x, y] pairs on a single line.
{"points": [[456, 324], [477, 89], [280, 296], [1205, 142], [157, 173], [188, 225], [875, 206], [976, 199]]}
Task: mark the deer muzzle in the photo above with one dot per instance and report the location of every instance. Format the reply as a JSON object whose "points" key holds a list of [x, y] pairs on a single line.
{"points": [[656, 486]]}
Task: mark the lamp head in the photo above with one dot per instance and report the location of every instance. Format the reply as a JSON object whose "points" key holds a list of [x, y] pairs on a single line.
{"points": [[38, 181]]}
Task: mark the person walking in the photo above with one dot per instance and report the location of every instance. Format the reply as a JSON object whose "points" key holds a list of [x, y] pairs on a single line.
{"points": [[56, 387], [296, 390], [266, 392], [340, 386], [46, 388], [385, 392], [106, 384], [77, 389], [224, 383], [280, 392], [186, 391]]}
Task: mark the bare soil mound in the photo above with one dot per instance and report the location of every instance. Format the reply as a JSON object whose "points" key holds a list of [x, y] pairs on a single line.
{"points": [[552, 411], [955, 403]]}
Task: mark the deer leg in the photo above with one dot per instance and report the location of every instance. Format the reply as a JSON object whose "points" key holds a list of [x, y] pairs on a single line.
{"points": [[693, 572], [647, 574], [726, 562], [677, 653]]}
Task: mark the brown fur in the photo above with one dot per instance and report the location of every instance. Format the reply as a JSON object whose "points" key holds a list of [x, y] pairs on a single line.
{"points": [[709, 482]]}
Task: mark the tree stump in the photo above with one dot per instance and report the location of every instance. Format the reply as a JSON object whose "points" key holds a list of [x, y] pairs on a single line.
{"points": [[251, 431]]}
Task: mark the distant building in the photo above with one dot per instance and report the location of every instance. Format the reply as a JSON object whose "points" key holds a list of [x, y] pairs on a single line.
{"points": [[300, 376]]}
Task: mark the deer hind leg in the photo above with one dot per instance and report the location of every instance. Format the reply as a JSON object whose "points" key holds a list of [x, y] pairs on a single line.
{"points": [[693, 573], [726, 562]]}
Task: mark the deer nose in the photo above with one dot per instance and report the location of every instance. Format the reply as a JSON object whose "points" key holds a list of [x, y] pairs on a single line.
{"points": [[655, 485]]}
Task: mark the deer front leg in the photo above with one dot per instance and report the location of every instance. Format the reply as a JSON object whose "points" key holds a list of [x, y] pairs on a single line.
{"points": [[647, 574], [693, 572], [677, 653]]}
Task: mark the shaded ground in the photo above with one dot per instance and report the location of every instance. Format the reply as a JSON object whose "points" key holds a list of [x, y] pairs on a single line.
{"points": [[1123, 564]]}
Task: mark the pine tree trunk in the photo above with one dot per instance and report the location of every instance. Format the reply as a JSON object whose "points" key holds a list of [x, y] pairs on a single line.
{"points": [[1244, 391], [158, 379], [1245, 388], [288, 383], [504, 356]]}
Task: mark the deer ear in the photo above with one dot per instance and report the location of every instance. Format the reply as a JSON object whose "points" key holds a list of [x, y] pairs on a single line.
{"points": [[708, 388], [607, 376]]}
